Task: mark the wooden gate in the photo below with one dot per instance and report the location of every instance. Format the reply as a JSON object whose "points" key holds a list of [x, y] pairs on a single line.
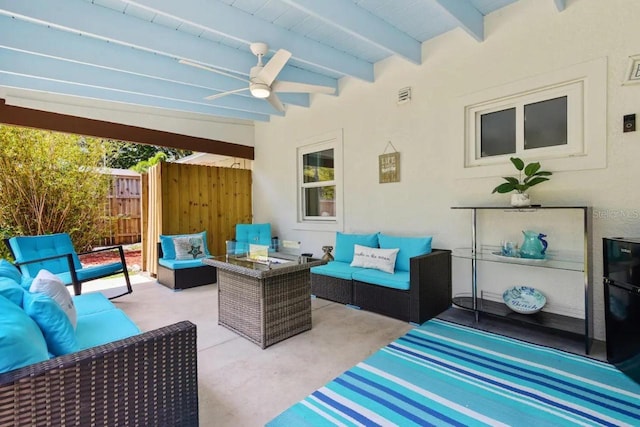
{"points": [[123, 210]]}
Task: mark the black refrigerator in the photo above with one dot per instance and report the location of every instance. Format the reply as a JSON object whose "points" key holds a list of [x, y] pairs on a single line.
{"points": [[622, 303]]}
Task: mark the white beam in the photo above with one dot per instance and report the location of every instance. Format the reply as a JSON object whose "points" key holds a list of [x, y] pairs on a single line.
{"points": [[346, 16], [467, 16], [231, 22]]}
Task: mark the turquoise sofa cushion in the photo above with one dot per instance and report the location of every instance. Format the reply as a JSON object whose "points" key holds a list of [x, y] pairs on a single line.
{"points": [[409, 247], [346, 242], [104, 327], [10, 271], [398, 280], [177, 264], [338, 269], [21, 341], [92, 303], [11, 290], [168, 248], [53, 322]]}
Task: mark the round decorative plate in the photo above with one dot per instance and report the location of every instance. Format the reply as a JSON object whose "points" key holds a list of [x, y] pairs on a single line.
{"points": [[524, 299]]}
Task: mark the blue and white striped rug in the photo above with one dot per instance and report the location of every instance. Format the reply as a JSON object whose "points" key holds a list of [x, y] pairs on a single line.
{"points": [[447, 374]]}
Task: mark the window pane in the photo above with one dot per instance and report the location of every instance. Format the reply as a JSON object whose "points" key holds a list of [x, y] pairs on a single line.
{"points": [[545, 123], [318, 166], [498, 133], [320, 201]]}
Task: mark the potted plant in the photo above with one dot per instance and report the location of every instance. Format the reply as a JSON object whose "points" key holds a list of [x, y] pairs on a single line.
{"points": [[529, 176]]}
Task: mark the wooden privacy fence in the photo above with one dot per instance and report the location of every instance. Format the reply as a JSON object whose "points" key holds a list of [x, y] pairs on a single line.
{"points": [[123, 222], [182, 198]]}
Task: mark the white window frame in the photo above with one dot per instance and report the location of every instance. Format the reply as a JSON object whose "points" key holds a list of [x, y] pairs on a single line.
{"points": [[331, 140], [585, 86]]}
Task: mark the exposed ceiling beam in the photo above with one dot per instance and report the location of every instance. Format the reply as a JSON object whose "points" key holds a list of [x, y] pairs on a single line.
{"points": [[107, 24], [24, 64], [561, 5], [228, 21], [21, 116], [469, 18], [87, 92], [357, 22], [27, 37]]}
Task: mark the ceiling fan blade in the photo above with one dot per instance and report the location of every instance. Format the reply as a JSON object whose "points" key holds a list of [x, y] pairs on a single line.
{"points": [[282, 86], [274, 66], [213, 70], [275, 102], [229, 92]]}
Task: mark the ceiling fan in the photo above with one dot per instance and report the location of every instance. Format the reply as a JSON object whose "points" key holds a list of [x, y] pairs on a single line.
{"points": [[262, 78]]}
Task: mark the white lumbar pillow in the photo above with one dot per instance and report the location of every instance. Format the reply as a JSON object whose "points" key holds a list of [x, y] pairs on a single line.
{"points": [[380, 259], [49, 284]]}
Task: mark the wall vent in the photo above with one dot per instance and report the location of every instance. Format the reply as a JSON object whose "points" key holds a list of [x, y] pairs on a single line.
{"points": [[404, 95]]}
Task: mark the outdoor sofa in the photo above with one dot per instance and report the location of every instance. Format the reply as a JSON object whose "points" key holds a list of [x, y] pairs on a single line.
{"points": [[416, 286], [103, 372]]}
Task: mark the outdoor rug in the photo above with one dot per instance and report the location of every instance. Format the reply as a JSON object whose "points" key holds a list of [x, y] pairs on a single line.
{"points": [[446, 374]]}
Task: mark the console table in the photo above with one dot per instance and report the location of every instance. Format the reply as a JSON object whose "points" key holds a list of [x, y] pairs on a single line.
{"points": [[265, 302]]}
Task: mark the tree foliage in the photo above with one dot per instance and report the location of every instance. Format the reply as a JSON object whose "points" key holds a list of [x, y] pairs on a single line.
{"points": [[50, 182], [126, 155]]}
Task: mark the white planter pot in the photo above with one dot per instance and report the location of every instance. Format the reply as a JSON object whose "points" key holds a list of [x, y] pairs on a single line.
{"points": [[520, 199]]}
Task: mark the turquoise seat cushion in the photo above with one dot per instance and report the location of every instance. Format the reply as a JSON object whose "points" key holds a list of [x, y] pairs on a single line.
{"points": [[398, 280], [104, 327], [345, 244], [177, 264], [168, 247], [337, 269], [409, 247], [88, 273], [11, 290], [258, 234], [27, 248], [21, 341], [10, 271], [53, 322], [92, 303]]}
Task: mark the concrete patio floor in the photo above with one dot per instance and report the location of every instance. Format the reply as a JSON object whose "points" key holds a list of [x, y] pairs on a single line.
{"points": [[243, 385]]}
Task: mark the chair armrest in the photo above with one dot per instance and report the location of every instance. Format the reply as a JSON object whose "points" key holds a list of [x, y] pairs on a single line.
{"points": [[147, 379], [430, 285], [72, 267]]}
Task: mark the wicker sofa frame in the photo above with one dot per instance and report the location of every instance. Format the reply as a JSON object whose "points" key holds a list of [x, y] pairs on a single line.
{"points": [[184, 278], [150, 379], [429, 292]]}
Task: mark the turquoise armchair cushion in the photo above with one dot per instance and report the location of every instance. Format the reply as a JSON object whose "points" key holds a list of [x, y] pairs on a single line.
{"points": [[53, 322], [246, 234], [177, 264], [346, 242], [27, 248], [21, 340], [409, 247], [168, 248]]}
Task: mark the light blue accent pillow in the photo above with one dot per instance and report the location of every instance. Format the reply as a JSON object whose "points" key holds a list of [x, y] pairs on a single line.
{"points": [[345, 244], [168, 248], [53, 322], [409, 247], [11, 290], [21, 341], [10, 271]]}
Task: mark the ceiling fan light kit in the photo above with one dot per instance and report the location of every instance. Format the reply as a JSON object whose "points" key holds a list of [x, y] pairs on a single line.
{"points": [[262, 81]]}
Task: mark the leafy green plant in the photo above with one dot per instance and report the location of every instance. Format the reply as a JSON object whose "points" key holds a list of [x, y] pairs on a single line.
{"points": [[529, 176]]}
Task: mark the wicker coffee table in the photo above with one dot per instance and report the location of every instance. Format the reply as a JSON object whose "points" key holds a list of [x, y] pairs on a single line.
{"points": [[265, 303]]}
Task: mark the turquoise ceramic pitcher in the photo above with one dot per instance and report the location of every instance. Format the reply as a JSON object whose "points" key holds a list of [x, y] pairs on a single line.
{"points": [[534, 245]]}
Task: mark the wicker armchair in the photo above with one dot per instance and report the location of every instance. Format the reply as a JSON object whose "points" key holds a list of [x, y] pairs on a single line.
{"points": [[149, 379]]}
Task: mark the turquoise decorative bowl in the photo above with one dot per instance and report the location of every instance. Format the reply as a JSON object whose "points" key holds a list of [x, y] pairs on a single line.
{"points": [[524, 299]]}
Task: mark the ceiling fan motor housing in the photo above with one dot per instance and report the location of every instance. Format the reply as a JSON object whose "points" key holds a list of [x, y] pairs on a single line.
{"points": [[258, 88]]}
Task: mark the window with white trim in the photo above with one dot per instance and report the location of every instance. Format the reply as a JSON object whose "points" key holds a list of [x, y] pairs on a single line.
{"points": [[544, 123], [320, 180]]}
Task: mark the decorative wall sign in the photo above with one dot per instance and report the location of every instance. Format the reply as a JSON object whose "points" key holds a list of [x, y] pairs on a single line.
{"points": [[633, 72], [389, 166]]}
